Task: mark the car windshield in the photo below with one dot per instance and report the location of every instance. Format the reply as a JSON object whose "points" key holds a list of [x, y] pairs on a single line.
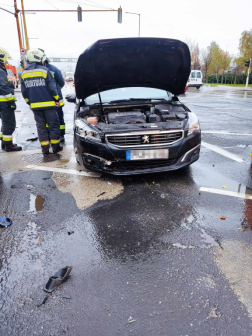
{"points": [[69, 74], [129, 93]]}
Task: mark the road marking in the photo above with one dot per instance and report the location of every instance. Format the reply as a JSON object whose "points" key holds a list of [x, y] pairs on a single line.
{"points": [[64, 171], [222, 152], [221, 132], [226, 193]]}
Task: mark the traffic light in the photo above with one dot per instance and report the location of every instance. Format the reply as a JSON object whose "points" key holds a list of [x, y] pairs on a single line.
{"points": [[247, 63], [79, 14], [119, 15]]}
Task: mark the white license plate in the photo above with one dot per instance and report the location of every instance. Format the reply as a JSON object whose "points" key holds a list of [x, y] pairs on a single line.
{"points": [[147, 154]]}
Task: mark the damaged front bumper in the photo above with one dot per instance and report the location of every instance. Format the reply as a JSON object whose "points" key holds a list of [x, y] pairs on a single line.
{"points": [[102, 157]]}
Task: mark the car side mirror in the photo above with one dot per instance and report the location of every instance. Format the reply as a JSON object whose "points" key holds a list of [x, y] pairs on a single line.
{"points": [[71, 98]]}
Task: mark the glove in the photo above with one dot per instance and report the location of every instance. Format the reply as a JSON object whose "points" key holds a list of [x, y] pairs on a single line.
{"points": [[57, 104], [12, 105]]}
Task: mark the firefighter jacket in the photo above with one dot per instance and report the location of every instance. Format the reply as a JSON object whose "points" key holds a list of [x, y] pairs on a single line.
{"points": [[38, 87], [57, 75], [6, 90]]}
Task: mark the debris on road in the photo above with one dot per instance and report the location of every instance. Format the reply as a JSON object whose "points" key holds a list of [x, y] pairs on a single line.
{"points": [[57, 279], [5, 221], [32, 139], [222, 217], [131, 320], [224, 186], [66, 297], [104, 192], [70, 232], [42, 301]]}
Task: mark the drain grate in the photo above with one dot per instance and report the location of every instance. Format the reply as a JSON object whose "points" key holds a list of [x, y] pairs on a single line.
{"points": [[40, 158]]}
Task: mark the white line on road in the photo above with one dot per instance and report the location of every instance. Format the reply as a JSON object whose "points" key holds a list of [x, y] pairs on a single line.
{"points": [[221, 132], [222, 152], [226, 193], [64, 171]]}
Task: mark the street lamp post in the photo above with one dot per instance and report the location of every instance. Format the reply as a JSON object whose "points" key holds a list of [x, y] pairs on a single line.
{"points": [[139, 20]]}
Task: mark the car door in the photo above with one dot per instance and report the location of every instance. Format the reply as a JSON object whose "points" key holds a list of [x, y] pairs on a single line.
{"points": [[193, 78], [198, 78]]}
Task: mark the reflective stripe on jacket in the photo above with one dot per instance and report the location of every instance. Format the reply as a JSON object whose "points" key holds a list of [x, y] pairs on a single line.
{"points": [[6, 89], [38, 87]]}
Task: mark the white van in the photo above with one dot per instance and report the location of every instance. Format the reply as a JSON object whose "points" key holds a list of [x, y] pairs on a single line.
{"points": [[195, 79]]}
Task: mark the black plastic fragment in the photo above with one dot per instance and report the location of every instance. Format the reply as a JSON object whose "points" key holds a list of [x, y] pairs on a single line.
{"points": [[66, 297], [70, 232], [42, 301], [57, 279], [104, 192], [32, 139]]}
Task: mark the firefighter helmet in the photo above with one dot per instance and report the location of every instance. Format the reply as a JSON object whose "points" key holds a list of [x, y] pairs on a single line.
{"points": [[35, 55], [4, 55]]}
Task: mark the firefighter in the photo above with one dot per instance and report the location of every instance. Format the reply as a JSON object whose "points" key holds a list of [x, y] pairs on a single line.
{"points": [[7, 107], [39, 91], [57, 75]]}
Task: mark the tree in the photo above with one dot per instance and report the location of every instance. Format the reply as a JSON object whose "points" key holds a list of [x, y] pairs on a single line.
{"points": [[226, 60], [206, 59], [195, 53], [245, 46], [217, 59]]}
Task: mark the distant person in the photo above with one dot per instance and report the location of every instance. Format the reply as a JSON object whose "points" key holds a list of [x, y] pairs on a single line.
{"points": [[39, 91], [7, 107], [57, 75]]}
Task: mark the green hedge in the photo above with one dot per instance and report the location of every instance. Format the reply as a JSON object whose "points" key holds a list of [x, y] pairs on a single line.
{"points": [[230, 77]]}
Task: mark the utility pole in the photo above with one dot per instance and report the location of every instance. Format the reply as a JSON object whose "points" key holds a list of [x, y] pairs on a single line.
{"points": [[25, 29], [18, 27], [247, 64]]}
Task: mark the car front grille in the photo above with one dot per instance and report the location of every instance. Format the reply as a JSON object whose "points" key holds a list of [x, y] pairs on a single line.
{"points": [[142, 165], [144, 139]]}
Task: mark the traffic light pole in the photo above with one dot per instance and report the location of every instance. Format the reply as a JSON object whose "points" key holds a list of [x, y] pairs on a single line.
{"points": [[18, 28], [247, 80], [25, 29]]}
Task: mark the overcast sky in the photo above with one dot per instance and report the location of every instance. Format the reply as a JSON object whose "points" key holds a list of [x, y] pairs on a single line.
{"points": [[60, 34]]}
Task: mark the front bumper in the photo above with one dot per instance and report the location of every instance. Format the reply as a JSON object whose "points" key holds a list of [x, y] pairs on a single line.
{"points": [[102, 157]]}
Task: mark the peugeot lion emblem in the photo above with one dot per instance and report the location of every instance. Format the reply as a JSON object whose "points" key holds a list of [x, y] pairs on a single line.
{"points": [[146, 139]]}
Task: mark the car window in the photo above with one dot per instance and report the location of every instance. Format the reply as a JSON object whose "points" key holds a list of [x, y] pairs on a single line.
{"points": [[128, 92], [192, 74], [198, 74]]}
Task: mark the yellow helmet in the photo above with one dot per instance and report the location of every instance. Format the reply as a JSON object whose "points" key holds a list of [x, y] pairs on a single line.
{"points": [[4, 55], [35, 55]]}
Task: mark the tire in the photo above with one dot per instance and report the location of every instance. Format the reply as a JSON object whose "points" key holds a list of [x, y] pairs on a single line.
{"points": [[197, 87]]}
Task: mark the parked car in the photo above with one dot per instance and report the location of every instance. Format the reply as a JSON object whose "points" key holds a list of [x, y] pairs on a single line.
{"points": [[195, 79], [128, 118], [69, 76]]}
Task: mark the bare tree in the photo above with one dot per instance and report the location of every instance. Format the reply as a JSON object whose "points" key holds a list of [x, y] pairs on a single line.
{"points": [[195, 53], [206, 59]]}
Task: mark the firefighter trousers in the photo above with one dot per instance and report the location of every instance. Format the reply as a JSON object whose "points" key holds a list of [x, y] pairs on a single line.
{"points": [[8, 124], [61, 119], [50, 117]]}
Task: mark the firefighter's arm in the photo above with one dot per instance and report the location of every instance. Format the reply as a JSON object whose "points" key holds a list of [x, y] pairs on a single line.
{"points": [[59, 78], [52, 86], [6, 89], [24, 92]]}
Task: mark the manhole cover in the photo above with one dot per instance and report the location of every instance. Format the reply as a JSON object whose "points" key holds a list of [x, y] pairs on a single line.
{"points": [[40, 158]]}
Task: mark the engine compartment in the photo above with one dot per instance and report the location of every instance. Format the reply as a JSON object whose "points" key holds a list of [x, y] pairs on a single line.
{"points": [[171, 114]]}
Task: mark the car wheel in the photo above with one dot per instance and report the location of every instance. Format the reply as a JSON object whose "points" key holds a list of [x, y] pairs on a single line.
{"points": [[75, 151], [197, 87]]}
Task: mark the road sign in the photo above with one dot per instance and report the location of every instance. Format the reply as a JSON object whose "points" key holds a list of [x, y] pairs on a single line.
{"points": [[22, 51]]}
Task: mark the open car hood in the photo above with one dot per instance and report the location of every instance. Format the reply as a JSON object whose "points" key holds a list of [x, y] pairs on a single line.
{"points": [[133, 62]]}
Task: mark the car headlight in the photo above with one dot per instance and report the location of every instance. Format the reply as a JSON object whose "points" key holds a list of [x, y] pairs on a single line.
{"points": [[193, 124], [86, 132]]}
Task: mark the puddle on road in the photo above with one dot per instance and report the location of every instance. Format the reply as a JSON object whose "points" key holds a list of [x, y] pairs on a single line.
{"points": [[36, 203]]}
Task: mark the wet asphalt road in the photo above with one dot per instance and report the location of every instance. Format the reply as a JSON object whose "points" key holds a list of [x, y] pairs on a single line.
{"points": [[150, 255]]}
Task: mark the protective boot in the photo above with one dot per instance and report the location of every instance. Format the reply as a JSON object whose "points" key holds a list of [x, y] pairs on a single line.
{"points": [[62, 139], [57, 148], [12, 147], [45, 149]]}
